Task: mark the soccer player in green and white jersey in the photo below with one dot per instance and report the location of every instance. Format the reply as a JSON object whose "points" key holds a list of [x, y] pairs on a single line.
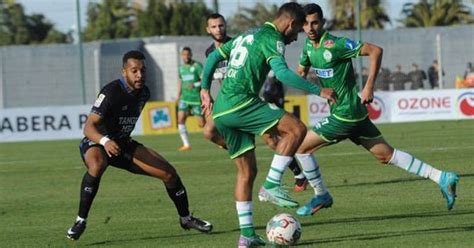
{"points": [[188, 95], [239, 114], [330, 57]]}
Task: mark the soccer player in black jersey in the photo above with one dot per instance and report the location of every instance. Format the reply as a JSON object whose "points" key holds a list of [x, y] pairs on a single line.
{"points": [[107, 141], [216, 28]]}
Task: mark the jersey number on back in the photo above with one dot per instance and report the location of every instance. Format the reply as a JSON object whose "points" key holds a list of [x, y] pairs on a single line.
{"points": [[239, 54]]}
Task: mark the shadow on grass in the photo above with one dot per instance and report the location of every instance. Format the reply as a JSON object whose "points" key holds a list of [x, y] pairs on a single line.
{"points": [[382, 235], [404, 180], [121, 241]]}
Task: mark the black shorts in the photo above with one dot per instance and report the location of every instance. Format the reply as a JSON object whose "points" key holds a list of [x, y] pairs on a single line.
{"points": [[122, 161]]}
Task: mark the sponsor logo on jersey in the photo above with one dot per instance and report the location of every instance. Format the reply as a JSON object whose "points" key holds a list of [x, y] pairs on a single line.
{"points": [[350, 44], [324, 73], [466, 104], [376, 108], [281, 47], [328, 43], [187, 77], [99, 100], [327, 55]]}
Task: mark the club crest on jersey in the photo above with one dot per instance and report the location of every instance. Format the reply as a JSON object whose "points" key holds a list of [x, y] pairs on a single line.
{"points": [[328, 43], [280, 47], [327, 55], [99, 100], [191, 69]]}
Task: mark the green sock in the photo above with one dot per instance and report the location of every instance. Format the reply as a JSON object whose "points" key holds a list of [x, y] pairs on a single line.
{"points": [[247, 231], [269, 185]]}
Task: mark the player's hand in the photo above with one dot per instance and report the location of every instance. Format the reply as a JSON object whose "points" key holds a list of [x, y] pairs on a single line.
{"points": [[329, 94], [366, 96], [206, 102], [112, 148]]}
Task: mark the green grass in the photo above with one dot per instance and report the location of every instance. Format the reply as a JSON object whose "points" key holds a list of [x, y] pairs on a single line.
{"points": [[375, 205]]}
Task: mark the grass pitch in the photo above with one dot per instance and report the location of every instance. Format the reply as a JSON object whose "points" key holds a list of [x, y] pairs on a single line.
{"points": [[374, 205]]}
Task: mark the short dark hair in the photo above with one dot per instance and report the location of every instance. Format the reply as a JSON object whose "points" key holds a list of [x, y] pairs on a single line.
{"points": [[292, 9], [215, 16], [186, 49], [133, 54], [312, 8]]}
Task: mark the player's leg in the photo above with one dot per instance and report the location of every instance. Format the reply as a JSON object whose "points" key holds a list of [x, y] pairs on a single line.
{"points": [[291, 132], [197, 112], [388, 155], [145, 161], [312, 142], [95, 160], [246, 173], [241, 150], [183, 132], [210, 132], [300, 180]]}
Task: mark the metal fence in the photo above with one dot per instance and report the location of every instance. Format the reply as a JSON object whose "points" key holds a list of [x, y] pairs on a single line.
{"points": [[49, 75]]}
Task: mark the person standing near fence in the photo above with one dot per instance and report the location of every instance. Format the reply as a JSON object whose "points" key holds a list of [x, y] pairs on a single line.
{"points": [[416, 77]]}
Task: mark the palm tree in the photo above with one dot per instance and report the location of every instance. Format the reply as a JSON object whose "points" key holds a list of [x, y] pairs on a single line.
{"points": [[251, 17], [372, 14], [436, 13]]}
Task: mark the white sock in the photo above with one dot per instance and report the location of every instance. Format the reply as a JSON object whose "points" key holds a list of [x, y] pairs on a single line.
{"points": [[311, 170], [184, 134], [415, 166], [244, 211], [300, 176], [80, 219], [278, 166]]}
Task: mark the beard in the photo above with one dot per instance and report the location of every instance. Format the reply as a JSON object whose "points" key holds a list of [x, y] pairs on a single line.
{"points": [[219, 39]]}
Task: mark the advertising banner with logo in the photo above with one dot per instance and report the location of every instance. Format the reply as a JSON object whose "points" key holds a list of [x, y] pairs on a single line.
{"points": [[318, 109], [453, 104], [408, 106], [46, 123], [159, 118], [297, 106]]}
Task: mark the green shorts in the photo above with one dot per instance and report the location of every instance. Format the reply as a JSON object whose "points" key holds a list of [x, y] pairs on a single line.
{"points": [[240, 127], [334, 130], [194, 109]]}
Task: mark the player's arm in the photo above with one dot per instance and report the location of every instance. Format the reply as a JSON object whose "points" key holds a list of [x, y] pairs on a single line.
{"points": [[180, 85], [375, 57], [211, 64], [92, 133], [302, 71], [290, 78]]}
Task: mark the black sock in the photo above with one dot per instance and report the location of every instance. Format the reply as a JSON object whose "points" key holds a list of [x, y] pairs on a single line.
{"points": [[180, 198], [89, 188], [294, 167]]}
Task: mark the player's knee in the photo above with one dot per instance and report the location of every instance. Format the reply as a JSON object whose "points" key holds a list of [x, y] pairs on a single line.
{"points": [[207, 132], [169, 178], [96, 167], [299, 132], [384, 158]]}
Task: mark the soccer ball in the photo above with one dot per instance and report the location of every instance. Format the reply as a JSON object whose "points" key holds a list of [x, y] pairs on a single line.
{"points": [[283, 229]]}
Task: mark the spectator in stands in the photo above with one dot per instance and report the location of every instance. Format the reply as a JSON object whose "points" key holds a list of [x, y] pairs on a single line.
{"points": [[383, 80], [398, 78], [469, 70], [416, 77], [469, 76], [433, 75]]}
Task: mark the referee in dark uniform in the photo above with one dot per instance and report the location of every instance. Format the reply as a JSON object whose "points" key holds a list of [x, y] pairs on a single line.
{"points": [[107, 142]]}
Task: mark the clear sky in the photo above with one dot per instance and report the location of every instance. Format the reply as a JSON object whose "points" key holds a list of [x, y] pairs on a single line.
{"points": [[63, 12]]}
